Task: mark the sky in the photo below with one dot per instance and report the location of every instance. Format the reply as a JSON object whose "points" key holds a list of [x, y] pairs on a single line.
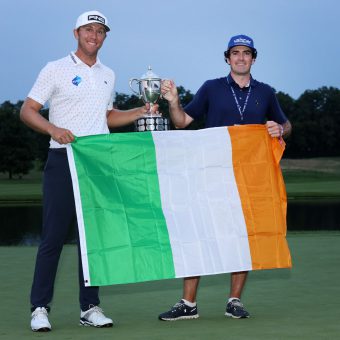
{"points": [[298, 41]]}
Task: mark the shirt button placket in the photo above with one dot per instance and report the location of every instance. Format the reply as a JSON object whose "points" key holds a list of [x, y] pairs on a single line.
{"points": [[91, 77]]}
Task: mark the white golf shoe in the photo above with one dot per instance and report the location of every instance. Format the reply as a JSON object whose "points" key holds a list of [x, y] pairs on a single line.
{"points": [[95, 317], [39, 321]]}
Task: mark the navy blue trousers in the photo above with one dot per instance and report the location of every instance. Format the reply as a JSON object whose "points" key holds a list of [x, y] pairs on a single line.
{"points": [[58, 216]]}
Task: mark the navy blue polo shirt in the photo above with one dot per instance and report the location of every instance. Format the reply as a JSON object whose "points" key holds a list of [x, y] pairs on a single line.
{"points": [[215, 101]]}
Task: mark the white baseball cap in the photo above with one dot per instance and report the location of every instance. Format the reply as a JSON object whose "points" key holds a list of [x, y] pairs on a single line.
{"points": [[92, 17]]}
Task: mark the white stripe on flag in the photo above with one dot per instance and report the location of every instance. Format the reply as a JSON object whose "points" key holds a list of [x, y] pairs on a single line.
{"points": [[201, 203], [79, 211]]}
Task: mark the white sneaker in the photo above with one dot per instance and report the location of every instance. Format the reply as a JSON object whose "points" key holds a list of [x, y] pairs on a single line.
{"points": [[39, 321], [95, 317]]}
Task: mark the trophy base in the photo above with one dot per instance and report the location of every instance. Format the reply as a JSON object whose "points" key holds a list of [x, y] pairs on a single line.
{"points": [[152, 122]]}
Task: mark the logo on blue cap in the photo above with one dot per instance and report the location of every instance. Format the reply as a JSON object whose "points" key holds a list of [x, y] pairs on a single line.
{"points": [[241, 40]]}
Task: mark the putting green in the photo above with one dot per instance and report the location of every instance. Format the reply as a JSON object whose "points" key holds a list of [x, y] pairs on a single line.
{"points": [[301, 303]]}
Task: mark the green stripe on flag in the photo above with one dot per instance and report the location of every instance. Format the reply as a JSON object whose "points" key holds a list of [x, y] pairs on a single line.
{"points": [[126, 234]]}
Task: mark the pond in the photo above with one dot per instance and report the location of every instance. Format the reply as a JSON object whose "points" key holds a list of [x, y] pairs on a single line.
{"points": [[21, 225], [313, 215]]}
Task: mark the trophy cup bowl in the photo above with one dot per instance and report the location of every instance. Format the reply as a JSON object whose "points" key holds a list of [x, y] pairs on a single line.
{"points": [[149, 90]]}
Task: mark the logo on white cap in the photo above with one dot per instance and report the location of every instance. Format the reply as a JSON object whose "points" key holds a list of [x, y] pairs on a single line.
{"points": [[96, 18]]}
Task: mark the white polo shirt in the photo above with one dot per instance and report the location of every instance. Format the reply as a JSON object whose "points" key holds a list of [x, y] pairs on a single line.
{"points": [[78, 95]]}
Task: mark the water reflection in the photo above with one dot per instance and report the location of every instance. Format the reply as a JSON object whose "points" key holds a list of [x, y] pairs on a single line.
{"points": [[21, 225], [313, 215]]}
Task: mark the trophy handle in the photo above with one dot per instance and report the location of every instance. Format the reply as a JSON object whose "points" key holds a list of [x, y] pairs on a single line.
{"points": [[131, 86]]}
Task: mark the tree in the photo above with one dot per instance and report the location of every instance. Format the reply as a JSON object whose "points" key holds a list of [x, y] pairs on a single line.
{"points": [[315, 117], [316, 123], [16, 142], [126, 102], [288, 106]]}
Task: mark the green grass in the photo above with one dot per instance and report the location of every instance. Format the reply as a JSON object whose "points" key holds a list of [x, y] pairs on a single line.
{"points": [[302, 183], [312, 178], [304, 178], [301, 303], [27, 189], [23, 190]]}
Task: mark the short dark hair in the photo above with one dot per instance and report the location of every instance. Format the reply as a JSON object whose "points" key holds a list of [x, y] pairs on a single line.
{"points": [[227, 54]]}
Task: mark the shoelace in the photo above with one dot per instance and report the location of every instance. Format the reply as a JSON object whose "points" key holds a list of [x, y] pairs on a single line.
{"points": [[178, 305], [237, 303], [38, 312], [96, 309]]}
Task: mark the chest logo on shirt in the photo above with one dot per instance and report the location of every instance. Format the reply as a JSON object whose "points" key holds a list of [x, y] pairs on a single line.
{"points": [[76, 80]]}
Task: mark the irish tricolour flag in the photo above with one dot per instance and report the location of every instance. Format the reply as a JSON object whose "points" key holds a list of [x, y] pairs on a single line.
{"points": [[167, 204]]}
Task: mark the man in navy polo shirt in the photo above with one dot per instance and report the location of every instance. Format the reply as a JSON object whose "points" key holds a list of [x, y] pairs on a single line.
{"points": [[235, 99]]}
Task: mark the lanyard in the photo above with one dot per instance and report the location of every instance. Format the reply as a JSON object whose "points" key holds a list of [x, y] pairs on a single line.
{"points": [[240, 110]]}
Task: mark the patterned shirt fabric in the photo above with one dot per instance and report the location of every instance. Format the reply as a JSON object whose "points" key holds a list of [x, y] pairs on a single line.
{"points": [[78, 95], [216, 102]]}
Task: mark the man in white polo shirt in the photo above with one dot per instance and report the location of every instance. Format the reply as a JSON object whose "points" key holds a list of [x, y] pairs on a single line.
{"points": [[79, 90]]}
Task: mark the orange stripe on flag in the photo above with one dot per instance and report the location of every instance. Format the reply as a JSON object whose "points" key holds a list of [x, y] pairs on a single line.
{"points": [[256, 158]]}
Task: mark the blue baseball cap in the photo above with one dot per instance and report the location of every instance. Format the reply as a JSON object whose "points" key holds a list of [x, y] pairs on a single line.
{"points": [[241, 40]]}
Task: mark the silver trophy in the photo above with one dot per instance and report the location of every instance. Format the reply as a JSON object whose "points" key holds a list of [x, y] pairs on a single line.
{"points": [[149, 86]]}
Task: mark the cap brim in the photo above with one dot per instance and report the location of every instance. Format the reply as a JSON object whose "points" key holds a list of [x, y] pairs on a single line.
{"points": [[107, 28], [252, 48]]}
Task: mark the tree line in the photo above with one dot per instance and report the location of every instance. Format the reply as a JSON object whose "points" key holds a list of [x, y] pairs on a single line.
{"points": [[315, 117]]}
